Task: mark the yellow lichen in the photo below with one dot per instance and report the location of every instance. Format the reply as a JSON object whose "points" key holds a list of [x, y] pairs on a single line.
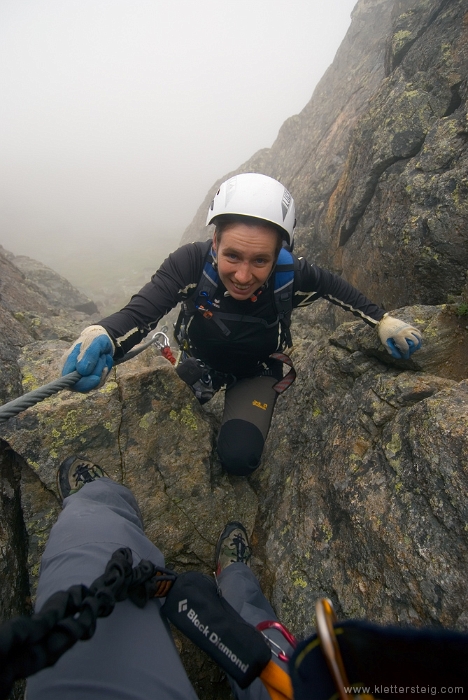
{"points": [[73, 425], [30, 382], [185, 416], [298, 580], [189, 418], [146, 421], [392, 449], [400, 38], [108, 387]]}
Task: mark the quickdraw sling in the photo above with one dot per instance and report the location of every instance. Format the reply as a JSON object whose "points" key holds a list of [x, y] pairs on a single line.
{"points": [[29, 644]]}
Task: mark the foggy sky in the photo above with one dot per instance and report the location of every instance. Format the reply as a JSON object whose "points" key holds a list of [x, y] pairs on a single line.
{"points": [[116, 116]]}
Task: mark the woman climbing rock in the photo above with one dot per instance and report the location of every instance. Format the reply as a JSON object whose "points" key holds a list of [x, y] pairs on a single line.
{"points": [[237, 292]]}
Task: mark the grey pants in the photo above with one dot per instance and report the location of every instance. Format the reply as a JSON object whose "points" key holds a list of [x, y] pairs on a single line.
{"points": [[132, 655], [248, 410]]}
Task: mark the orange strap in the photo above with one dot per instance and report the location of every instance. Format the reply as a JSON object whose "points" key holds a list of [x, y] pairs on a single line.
{"points": [[277, 682]]}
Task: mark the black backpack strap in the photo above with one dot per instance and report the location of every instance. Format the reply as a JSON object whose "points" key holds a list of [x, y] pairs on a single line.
{"points": [[202, 296]]}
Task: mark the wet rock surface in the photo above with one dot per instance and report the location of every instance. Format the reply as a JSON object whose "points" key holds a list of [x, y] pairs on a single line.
{"points": [[364, 489]]}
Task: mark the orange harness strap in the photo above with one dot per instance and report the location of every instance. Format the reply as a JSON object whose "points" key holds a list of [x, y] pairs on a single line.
{"points": [[277, 682]]}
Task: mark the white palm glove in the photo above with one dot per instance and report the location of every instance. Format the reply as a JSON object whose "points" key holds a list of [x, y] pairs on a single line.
{"points": [[91, 356], [399, 338]]}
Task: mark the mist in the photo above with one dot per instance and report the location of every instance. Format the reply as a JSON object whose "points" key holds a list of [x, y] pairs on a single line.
{"points": [[117, 116]]}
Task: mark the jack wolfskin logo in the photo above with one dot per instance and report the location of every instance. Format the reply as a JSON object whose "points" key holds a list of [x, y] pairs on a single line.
{"points": [[263, 406], [183, 605]]}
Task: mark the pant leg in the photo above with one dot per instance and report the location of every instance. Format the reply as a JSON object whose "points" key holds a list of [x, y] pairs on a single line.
{"points": [[241, 588], [248, 410], [132, 655]]}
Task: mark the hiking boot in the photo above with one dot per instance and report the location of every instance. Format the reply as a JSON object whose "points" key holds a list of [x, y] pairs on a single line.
{"points": [[233, 546], [75, 472]]}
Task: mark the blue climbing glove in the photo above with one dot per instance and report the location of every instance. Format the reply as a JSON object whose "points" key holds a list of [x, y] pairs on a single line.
{"points": [[91, 356], [399, 338]]}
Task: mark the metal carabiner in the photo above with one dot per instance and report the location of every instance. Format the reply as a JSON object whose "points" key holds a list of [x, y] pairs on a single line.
{"points": [[160, 344], [326, 618], [290, 638]]}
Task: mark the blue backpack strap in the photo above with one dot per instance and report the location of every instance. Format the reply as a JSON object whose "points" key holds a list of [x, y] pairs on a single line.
{"points": [[283, 292], [209, 281], [202, 298]]}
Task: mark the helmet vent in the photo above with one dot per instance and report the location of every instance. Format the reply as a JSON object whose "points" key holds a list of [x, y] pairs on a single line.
{"points": [[285, 202]]}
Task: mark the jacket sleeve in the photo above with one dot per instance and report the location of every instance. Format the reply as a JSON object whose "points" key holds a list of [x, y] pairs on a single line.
{"points": [[172, 282], [312, 282]]}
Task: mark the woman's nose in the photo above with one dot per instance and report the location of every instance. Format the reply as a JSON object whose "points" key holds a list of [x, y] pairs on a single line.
{"points": [[243, 274]]}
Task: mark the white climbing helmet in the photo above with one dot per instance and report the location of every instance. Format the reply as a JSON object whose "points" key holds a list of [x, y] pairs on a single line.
{"points": [[259, 196]]}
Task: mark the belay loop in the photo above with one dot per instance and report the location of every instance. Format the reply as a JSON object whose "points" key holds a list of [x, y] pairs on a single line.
{"points": [[286, 382]]}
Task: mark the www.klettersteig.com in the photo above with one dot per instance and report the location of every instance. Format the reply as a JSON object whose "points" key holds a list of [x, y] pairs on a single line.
{"points": [[405, 690]]}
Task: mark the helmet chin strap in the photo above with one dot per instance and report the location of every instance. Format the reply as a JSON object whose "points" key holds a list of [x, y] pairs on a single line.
{"points": [[213, 255]]}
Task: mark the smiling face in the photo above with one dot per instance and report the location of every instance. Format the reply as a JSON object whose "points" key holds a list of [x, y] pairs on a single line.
{"points": [[245, 255]]}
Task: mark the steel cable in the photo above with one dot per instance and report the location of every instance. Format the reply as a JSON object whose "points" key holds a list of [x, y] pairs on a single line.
{"points": [[12, 408]]}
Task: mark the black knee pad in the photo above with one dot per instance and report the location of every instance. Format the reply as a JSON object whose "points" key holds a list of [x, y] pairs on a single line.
{"points": [[240, 446]]}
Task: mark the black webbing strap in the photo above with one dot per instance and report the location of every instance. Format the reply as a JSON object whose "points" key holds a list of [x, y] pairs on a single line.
{"points": [[29, 644], [196, 607], [385, 662]]}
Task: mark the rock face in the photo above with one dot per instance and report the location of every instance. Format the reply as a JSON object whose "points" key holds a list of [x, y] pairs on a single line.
{"points": [[377, 161], [30, 311], [364, 484], [57, 290], [362, 492]]}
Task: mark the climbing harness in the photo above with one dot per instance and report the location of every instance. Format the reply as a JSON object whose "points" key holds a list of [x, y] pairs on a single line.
{"points": [[203, 301], [12, 408], [286, 382]]}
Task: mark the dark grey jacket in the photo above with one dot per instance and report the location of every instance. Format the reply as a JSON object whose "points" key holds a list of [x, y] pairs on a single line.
{"points": [[248, 344]]}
